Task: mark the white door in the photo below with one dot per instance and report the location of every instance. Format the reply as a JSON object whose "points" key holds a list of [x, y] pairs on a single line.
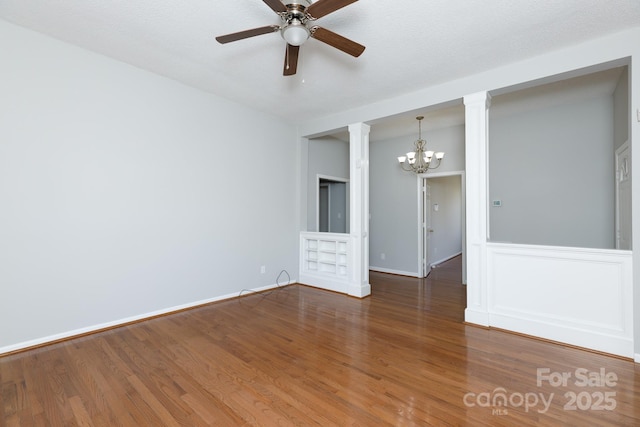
{"points": [[426, 227], [623, 197]]}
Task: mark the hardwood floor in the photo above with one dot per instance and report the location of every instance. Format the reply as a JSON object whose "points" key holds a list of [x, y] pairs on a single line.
{"points": [[303, 356]]}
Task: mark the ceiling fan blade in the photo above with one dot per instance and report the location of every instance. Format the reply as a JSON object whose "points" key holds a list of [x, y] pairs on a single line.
{"points": [[325, 7], [247, 33], [337, 41], [291, 60], [276, 5]]}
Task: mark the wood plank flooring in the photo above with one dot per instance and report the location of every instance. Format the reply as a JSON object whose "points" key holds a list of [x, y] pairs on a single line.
{"points": [[303, 356]]}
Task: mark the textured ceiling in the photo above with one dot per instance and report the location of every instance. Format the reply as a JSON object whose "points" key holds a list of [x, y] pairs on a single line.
{"points": [[410, 44]]}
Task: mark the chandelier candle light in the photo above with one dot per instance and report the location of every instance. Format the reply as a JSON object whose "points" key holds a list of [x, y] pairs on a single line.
{"points": [[420, 161]]}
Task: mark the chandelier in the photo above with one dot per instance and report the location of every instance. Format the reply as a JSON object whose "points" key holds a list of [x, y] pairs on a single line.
{"points": [[420, 161]]}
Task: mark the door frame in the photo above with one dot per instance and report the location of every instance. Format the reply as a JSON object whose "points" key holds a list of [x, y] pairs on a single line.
{"points": [[327, 209], [425, 229], [336, 179], [618, 155], [422, 250]]}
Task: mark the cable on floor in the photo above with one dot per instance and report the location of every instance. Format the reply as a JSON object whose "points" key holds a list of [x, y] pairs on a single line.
{"points": [[278, 285]]}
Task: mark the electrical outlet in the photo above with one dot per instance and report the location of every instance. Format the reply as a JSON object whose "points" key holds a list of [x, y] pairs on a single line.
{"points": [[383, 256], [263, 269]]}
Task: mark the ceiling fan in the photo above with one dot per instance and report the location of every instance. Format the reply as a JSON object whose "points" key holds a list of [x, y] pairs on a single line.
{"points": [[297, 17]]}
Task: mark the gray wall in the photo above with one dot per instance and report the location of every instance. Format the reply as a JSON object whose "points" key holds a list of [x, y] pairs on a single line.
{"points": [[394, 196], [621, 110], [552, 169], [329, 157]]}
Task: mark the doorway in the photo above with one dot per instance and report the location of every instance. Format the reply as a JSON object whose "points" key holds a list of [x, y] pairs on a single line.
{"points": [[442, 220], [332, 214]]}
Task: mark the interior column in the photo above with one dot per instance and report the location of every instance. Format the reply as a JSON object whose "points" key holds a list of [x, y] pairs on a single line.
{"points": [[359, 209], [476, 166]]}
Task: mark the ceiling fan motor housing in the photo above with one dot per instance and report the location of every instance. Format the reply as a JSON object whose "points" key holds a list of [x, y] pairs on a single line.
{"points": [[303, 3], [294, 30]]}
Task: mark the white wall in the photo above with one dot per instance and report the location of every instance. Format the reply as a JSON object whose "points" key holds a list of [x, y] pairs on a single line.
{"points": [[553, 171], [328, 157], [123, 193], [394, 197]]}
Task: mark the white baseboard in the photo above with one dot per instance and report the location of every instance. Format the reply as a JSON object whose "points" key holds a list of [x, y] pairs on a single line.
{"points": [[436, 263], [327, 282], [480, 318], [391, 271], [577, 335], [411, 273], [120, 322], [359, 291]]}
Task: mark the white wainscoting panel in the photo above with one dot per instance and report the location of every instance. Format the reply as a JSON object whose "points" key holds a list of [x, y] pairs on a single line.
{"points": [[325, 260], [578, 296]]}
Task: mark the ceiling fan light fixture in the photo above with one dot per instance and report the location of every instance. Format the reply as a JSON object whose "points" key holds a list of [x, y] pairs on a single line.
{"points": [[295, 33]]}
